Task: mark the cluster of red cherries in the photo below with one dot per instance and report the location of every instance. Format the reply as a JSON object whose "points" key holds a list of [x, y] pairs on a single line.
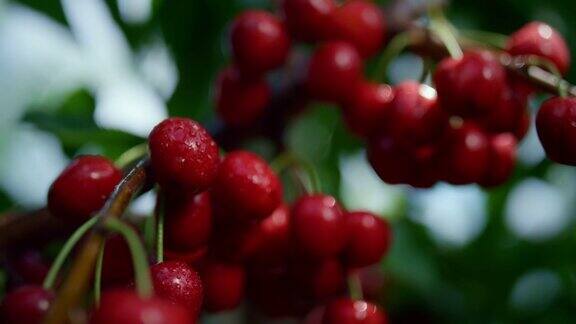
{"points": [[465, 130], [228, 235]]}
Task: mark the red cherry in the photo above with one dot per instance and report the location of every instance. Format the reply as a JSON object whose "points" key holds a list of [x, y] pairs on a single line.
{"points": [[29, 266], [471, 85], [126, 307], [507, 114], [233, 242], [348, 311], [117, 268], [308, 20], [240, 101], [415, 117], [502, 160], [194, 258], [183, 155], [362, 24], [556, 126], [179, 283], [223, 286], [246, 188], [465, 154], [318, 225], [367, 109], [540, 39], [82, 188], [272, 291], [369, 238], [523, 126], [27, 304], [260, 42], [319, 280], [271, 237], [334, 68], [188, 222]]}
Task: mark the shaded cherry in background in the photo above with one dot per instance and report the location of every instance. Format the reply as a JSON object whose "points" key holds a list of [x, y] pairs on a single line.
{"points": [[117, 267], [501, 161], [188, 222], [27, 305], [367, 110], [29, 265], [82, 188], [224, 285], [309, 20]]}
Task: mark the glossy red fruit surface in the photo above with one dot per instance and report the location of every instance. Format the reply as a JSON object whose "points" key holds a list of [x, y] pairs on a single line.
{"points": [[362, 24], [223, 286], [321, 279], [507, 114], [348, 311], [319, 226], [27, 304], [272, 237], [415, 116], [188, 222], [179, 283], [369, 238], [240, 101], [501, 161], [471, 85], [334, 68], [246, 188], [540, 39], [184, 157], [117, 268], [260, 42], [556, 126], [82, 188], [308, 20], [465, 154], [126, 307], [368, 107]]}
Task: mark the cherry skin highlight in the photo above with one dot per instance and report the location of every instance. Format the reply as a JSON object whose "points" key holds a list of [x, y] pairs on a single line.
{"points": [[82, 188], [27, 304], [184, 157], [367, 110], [348, 311], [260, 42]]}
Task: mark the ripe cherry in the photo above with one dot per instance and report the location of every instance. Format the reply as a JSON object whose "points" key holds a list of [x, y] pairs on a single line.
{"points": [[233, 242], [188, 222], [82, 188], [501, 161], [366, 111], [117, 268], [362, 24], [507, 114], [272, 237], [348, 311], [415, 116], [556, 126], [223, 285], [471, 85], [260, 42], [465, 154], [246, 188], [320, 279], [179, 283], [27, 304], [183, 155], [334, 68], [194, 257], [240, 101], [308, 20], [126, 307], [540, 39], [319, 227], [369, 238]]}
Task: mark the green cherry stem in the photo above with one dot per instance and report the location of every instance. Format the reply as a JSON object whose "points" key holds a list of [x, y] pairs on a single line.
{"points": [[65, 251], [495, 40], [288, 159], [139, 259], [98, 275], [444, 30], [355, 286], [159, 215], [132, 155]]}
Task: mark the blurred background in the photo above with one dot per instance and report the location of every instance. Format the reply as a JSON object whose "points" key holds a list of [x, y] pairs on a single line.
{"points": [[93, 76]]}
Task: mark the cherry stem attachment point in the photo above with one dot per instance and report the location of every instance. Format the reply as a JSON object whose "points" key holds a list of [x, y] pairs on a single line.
{"points": [[65, 251], [139, 259], [355, 287], [288, 159]]}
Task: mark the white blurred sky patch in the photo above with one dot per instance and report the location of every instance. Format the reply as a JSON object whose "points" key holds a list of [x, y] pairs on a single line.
{"points": [[530, 151], [135, 11]]}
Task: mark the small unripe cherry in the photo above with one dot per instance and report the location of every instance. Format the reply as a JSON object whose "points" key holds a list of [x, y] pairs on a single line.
{"points": [[82, 188], [319, 226], [556, 126], [246, 188], [223, 285], [184, 157], [540, 39], [240, 101], [124, 306], [260, 42], [26, 304], [502, 160], [188, 221], [348, 311], [367, 110], [179, 283], [308, 20], [369, 239], [334, 68], [362, 24]]}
